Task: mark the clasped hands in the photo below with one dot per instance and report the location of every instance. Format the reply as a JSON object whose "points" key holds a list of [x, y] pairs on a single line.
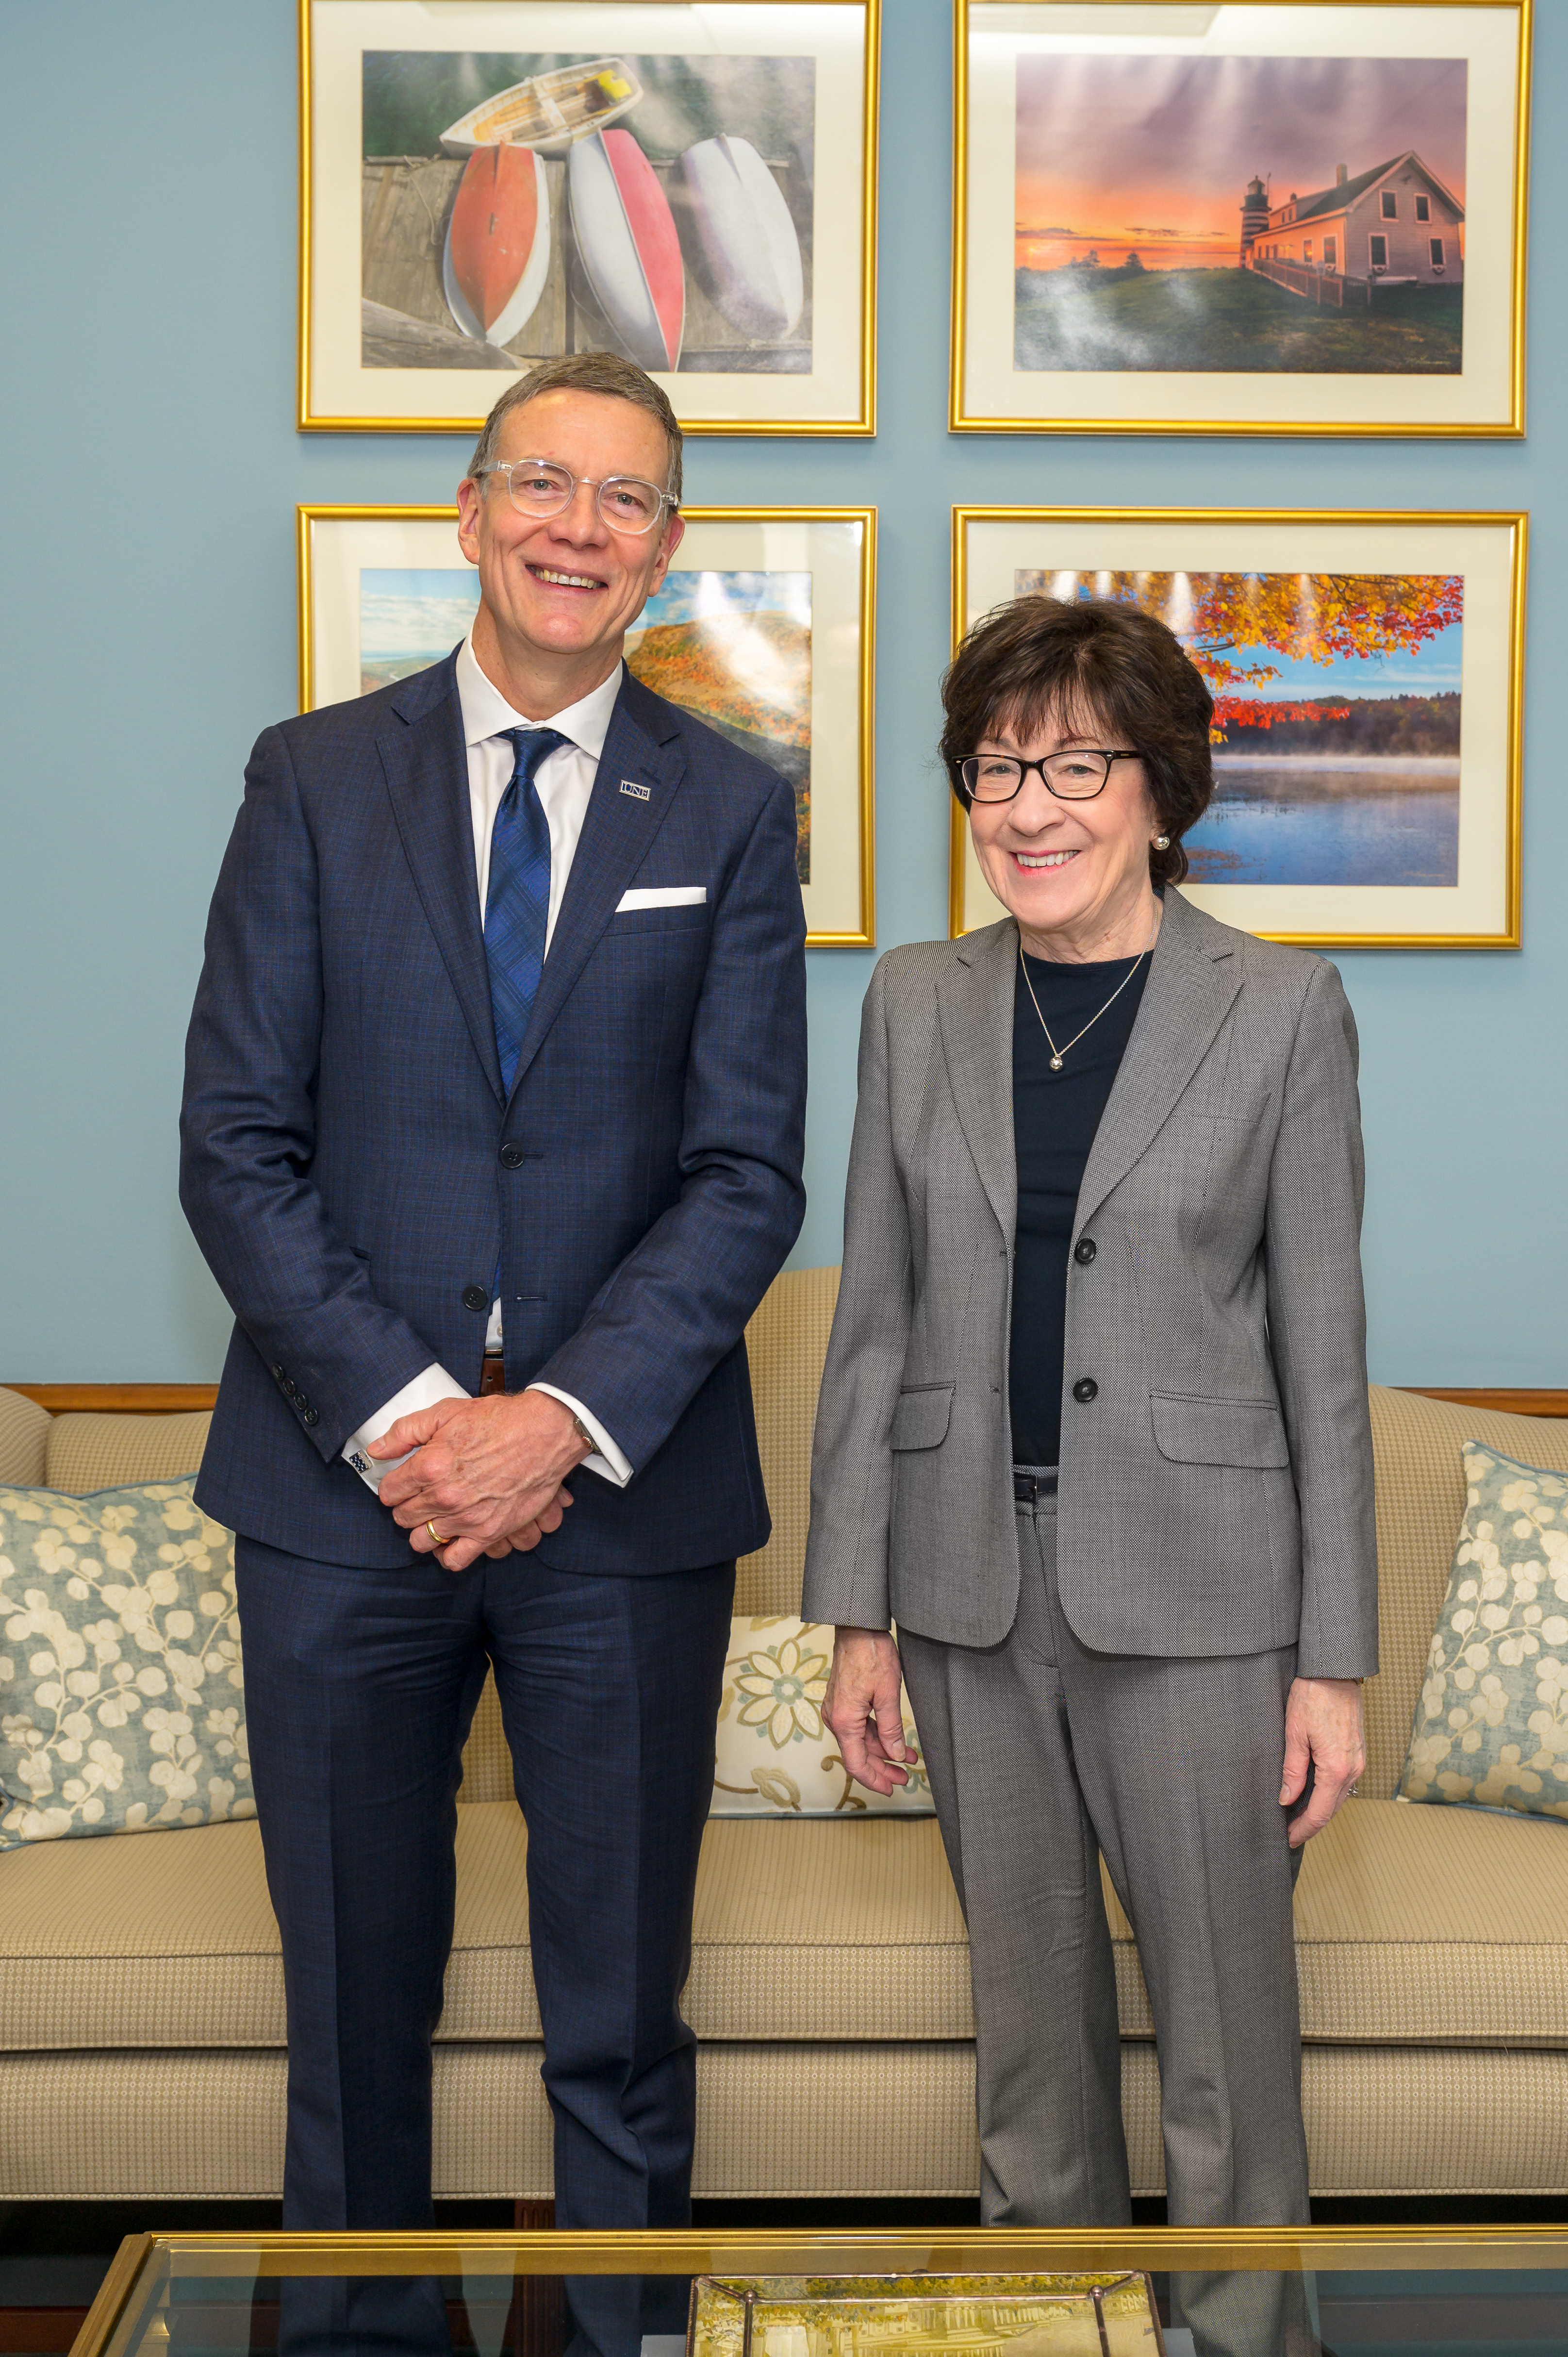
{"points": [[487, 1474], [1322, 1730]]}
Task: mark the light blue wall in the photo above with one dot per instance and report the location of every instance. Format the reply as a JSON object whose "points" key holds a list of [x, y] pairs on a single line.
{"points": [[150, 472]]}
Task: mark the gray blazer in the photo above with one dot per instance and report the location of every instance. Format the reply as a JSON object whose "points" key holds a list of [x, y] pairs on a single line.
{"points": [[1215, 1490]]}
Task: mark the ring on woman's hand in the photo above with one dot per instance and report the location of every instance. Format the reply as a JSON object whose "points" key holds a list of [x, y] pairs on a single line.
{"points": [[435, 1537]]}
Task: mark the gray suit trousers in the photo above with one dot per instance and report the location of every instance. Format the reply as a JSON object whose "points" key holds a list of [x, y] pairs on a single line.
{"points": [[1042, 1755]]}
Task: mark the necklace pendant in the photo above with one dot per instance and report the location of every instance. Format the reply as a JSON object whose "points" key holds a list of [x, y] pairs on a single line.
{"points": [[1055, 1063]]}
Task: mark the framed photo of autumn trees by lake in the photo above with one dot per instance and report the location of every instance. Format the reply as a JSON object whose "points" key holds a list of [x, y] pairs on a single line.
{"points": [[486, 184], [764, 628], [1367, 670], [1281, 217]]}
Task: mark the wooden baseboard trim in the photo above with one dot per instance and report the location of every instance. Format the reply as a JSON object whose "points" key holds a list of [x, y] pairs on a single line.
{"points": [[119, 1399], [1504, 1402], [177, 1399]]}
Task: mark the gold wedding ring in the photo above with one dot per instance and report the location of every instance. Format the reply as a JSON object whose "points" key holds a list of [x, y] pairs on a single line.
{"points": [[435, 1537]]}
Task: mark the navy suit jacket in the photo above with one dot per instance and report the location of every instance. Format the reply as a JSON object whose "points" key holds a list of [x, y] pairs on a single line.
{"points": [[355, 1173]]}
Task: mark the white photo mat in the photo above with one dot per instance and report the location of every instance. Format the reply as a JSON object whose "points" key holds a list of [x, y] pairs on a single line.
{"points": [[1481, 908], [988, 390], [838, 552], [336, 391]]}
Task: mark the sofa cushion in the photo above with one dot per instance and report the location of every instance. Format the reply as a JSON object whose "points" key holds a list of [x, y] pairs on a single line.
{"points": [[1491, 1724], [24, 1439], [1415, 1927], [121, 1701], [106, 1452], [174, 1943]]}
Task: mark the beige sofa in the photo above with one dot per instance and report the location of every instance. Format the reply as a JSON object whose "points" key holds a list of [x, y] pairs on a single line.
{"points": [[141, 1991]]}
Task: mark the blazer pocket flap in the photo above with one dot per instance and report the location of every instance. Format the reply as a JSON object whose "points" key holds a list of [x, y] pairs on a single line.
{"points": [[1219, 1431], [920, 1418]]}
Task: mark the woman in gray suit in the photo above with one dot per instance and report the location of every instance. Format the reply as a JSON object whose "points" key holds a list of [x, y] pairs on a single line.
{"points": [[1093, 1429]]}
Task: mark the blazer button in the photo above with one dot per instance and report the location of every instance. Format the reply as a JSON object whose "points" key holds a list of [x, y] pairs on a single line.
{"points": [[308, 1415], [475, 1296], [1085, 1389], [511, 1157], [277, 1375], [1083, 1252]]}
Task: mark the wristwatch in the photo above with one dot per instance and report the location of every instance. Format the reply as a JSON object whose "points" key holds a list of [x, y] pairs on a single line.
{"points": [[581, 1430]]}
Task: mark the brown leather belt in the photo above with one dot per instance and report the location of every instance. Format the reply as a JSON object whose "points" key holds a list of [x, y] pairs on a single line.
{"points": [[493, 1377]]}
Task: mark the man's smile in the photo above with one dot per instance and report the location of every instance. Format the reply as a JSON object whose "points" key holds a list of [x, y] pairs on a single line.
{"points": [[564, 580]]}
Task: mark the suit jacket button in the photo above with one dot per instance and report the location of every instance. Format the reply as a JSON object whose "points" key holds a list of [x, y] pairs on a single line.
{"points": [[511, 1157], [475, 1296], [1085, 1389], [277, 1375], [1083, 1252], [309, 1416]]}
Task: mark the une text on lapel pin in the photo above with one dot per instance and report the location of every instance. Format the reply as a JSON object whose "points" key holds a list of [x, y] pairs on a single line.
{"points": [[638, 794]]}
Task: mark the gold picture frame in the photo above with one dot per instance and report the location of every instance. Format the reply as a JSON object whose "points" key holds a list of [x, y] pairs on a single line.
{"points": [[996, 316], [336, 392], [1448, 588], [777, 561]]}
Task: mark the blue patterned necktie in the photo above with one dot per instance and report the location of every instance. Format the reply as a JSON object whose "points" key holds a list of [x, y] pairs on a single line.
{"points": [[517, 905]]}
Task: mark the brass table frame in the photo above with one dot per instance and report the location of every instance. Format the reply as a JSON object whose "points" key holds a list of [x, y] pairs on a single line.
{"points": [[135, 2279]]}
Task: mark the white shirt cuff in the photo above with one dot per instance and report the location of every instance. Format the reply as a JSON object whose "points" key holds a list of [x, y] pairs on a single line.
{"points": [[425, 1390], [606, 1461]]}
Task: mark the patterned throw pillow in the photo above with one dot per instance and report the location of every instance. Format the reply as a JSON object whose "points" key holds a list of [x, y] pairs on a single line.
{"points": [[1491, 1723], [775, 1757], [121, 1701]]}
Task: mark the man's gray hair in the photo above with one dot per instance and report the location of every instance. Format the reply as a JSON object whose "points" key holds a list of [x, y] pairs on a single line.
{"points": [[585, 373]]}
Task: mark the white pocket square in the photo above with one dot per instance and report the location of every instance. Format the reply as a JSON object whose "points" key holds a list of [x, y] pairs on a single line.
{"points": [[663, 896]]}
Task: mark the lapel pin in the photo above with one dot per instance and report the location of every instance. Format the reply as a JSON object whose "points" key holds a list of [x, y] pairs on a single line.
{"points": [[638, 794]]}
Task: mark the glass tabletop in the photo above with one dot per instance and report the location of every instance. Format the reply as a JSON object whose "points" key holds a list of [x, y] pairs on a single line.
{"points": [[1167, 2292]]}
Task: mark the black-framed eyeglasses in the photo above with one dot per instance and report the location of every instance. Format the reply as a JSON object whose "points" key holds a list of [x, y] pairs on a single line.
{"points": [[1074, 777], [541, 488]]}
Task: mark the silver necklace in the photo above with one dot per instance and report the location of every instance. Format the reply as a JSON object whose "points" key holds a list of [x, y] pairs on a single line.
{"points": [[1058, 1053]]}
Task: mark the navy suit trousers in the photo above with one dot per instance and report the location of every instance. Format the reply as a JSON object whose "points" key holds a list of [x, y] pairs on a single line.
{"points": [[361, 1685]]}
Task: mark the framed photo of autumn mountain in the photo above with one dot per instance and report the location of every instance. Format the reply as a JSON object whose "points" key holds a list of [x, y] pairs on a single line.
{"points": [[1281, 217], [1366, 671], [764, 628], [486, 184]]}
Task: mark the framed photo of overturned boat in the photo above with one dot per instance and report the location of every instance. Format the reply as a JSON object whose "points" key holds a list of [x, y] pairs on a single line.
{"points": [[764, 627], [1295, 217], [1366, 671], [491, 183]]}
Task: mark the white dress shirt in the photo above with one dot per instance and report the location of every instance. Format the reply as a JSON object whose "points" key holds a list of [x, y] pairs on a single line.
{"points": [[564, 780]]}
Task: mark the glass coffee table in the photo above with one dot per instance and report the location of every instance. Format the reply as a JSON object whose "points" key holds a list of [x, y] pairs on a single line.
{"points": [[1244, 2292]]}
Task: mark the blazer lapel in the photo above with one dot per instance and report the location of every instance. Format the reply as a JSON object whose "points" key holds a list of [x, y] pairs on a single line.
{"points": [[642, 749], [974, 1000], [426, 769], [1194, 976]]}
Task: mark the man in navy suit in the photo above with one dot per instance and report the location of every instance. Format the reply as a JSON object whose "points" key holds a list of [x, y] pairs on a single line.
{"points": [[492, 1137]]}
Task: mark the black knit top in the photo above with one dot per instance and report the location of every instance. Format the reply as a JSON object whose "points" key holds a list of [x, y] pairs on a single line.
{"points": [[1055, 1117]]}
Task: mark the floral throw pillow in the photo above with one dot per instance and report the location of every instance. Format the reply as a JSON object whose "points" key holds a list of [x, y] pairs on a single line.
{"points": [[775, 1757], [1491, 1723], [122, 1700]]}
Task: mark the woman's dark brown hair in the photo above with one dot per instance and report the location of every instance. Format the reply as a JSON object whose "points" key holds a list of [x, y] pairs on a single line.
{"points": [[1044, 660]]}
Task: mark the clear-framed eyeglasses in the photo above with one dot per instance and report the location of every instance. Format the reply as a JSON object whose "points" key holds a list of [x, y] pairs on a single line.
{"points": [[1075, 777], [541, 488]]}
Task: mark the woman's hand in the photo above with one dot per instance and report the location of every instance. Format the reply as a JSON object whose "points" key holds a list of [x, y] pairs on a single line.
{"points": [[1324, 1737], [864, 1709]]}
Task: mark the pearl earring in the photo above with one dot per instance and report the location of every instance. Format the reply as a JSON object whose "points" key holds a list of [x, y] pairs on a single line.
{"points": [[1162, 843]]}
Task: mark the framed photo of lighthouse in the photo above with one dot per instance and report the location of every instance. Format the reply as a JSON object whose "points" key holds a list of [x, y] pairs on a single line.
{"points": [[1366, 671], [1287, 218], [486, 184], [764, 627]]}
